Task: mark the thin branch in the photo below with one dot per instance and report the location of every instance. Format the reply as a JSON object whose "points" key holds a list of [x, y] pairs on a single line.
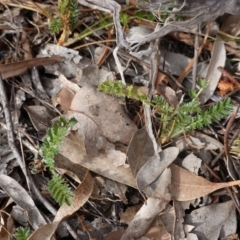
{"points": [[196, 48], [9, 125]]}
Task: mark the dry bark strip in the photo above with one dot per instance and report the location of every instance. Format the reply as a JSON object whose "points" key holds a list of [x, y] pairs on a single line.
{"points": [[202, 11]]}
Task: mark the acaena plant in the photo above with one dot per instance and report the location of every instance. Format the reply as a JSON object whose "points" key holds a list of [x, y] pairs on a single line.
{"points": [[58, 189], [22, 233], [187, 116], [65, 20]]}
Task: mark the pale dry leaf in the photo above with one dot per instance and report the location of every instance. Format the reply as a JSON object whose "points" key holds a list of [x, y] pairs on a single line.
{"points": [[92, 75], [63, 98], [168, 218], [152, 207], [93, 151], [115, 235], [187, 186], [168, 93], [213, 75], [69, 174], [70, 85], [192, 163], [81, 196], [127, 216], [16, 192], [192, 236], [231, 25], [140, 150], [214, 221], [179, 232], [64, 163], [6, 220], [160, 187], [45, 232], [40, 117], [198, 140], [19, 215], [144, 217], [106, 112], [116, 188], [154, 233], [154, 167], [68, 65], [136, 32], [175, 63]]}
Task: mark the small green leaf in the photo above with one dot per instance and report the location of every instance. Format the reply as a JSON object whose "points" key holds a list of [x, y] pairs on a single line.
{"points": [[203, 83], [59, 190], [22, 233], [124, 19], [72, 122], [55, 25]]}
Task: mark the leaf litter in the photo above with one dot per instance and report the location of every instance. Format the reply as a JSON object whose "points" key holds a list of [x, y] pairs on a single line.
{"points": [[127, 185]]}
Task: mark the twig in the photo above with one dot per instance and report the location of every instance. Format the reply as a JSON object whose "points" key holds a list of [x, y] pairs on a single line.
{"points": [[154, 66], [112, 7], [226, 147], [119, 66], [73, 87], [9, 125], [196, 48]]}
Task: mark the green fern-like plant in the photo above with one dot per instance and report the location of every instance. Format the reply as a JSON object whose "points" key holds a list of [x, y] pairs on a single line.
{"points": [[186, 117], [55, 25], [59, 190], [22, 233], [67, 16]]}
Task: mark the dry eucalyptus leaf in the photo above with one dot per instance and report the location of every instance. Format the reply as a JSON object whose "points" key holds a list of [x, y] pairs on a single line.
{"points": [[199, 141], [213, 75], [155, 166], [231, 25], [179, 231], [64, 98], [68, 65], [176, 63], [40, 117], [127, 216], [140, 150], [7, 222], [187, 186], [214, 221], [20, 215], [156, 232], [92, 75], [192, 163], [90, 149], [160, 187], [16, 192], [81, 196], [168, 218], [106, 112], [143, 219], [45, 232]]}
